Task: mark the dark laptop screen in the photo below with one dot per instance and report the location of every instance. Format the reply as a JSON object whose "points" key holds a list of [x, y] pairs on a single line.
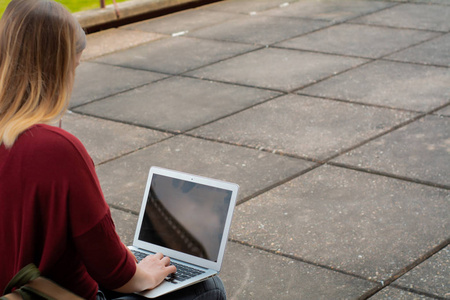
{"points": [[185, 216]]}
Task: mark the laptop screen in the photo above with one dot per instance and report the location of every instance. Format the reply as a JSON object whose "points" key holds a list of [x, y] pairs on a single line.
{"points": [[185, 216]]}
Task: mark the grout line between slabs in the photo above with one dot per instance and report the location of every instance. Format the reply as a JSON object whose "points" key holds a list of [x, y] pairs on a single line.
{"points": [[422, 293], [408, 268], [299, 259]]}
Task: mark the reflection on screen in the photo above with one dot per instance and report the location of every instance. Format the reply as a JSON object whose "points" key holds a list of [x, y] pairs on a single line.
{"points": [[185, 216]]}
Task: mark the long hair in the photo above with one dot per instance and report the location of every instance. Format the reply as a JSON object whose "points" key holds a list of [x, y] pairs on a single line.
{"points": [[39, 40]]}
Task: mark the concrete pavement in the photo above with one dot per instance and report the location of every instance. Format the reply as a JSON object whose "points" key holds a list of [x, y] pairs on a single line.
{"points": [[332, 116]]}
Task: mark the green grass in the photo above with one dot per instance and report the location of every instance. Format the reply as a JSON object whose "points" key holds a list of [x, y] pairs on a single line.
{"points": [[72, 5]]}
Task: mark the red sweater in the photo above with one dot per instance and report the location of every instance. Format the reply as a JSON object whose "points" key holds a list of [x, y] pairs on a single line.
{"points": [[53, 213]]}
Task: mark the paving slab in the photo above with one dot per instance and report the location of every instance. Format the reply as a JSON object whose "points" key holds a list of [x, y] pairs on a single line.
{"points": [[390, 84], [298, 126], [358, 40], [261, 30], [104, 42], [123, 180], [431, 277], [330, 10], [411, 15], [393, 293], [434, 52], [294, 68], [176, 54], [182, 22], [95, 81], [246, 275], [332, 231], [177, 103], [246, 6], [417, 151], [105, 140], [361, 223]]}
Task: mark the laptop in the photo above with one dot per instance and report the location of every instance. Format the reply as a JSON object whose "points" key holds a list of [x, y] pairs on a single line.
{"points": [[187, 218]]}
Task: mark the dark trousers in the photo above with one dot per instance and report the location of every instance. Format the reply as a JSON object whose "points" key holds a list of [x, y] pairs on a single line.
{"points": [[211, 289]]}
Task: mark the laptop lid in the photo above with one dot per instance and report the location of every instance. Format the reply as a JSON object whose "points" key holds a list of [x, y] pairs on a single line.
{"points": [[186, 217]]}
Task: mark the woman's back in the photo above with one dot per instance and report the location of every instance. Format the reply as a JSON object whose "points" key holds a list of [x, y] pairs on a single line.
{"points": [[50, 209]]}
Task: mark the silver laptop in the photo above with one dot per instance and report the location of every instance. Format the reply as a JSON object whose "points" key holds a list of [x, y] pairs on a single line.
{"points": [[187, 218]]}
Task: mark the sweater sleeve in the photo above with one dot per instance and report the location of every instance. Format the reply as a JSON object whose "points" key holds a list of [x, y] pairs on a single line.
{"points": [[105, 257]]}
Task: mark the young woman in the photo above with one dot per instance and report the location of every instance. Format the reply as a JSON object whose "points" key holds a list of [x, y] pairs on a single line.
{"points": [[52, 210]]}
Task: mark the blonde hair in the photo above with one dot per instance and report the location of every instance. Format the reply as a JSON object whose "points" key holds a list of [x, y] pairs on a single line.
{"points": [[39, 40]]}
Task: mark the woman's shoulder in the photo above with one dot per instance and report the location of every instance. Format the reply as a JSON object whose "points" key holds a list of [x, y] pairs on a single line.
{"points": [[47, 140], [48, 132]]}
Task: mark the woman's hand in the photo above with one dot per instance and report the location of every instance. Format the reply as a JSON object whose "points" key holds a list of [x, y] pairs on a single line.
{"points": [[158, 267], [150, 272]]}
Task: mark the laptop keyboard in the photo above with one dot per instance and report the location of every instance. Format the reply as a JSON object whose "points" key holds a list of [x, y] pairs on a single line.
{"points": [[183, 272]]}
